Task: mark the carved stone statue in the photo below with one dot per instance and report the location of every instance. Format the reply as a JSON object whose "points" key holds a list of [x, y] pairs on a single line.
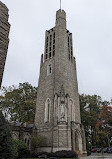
{"points": [[62, 112]]}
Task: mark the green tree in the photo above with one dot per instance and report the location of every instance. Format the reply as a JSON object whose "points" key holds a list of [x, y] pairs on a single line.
{"points": [[104, 125], [20, 149], [5, 139], [19, 102], [89, 116]]}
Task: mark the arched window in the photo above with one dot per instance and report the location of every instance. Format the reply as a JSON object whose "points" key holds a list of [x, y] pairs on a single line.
{"points": [[72, 110], [25, 140], [49, 69], [47, 110], [28, 142]]}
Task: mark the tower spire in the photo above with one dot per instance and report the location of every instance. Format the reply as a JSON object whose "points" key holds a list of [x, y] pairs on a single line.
{"points": [[60, 4]]}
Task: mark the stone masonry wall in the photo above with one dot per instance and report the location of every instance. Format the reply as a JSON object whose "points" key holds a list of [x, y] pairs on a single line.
{"points": [[60, 86], [4, 40]]}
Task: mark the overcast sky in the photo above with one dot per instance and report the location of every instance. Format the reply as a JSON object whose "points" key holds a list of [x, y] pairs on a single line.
{"points": [[90, 21]]}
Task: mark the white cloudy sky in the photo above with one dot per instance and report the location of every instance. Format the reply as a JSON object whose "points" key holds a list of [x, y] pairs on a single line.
{"points": [[90, 21]]}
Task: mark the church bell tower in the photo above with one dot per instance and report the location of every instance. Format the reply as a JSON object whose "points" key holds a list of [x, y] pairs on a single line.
{"points": [[57, 110]]}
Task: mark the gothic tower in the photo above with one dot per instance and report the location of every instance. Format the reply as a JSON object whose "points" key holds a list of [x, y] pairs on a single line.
{"points": [[57, 111]]}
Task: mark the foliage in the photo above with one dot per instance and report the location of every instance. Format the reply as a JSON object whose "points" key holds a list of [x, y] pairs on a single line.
{"points": [[5, 139], [96, 118], [104, 126], [19, 102], [66, 154], [20, 149], [89, 116], [101, 139], [88, 153], [58, 154], [105, 116]]}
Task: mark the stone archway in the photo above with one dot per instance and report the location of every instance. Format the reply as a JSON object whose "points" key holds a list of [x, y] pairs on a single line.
{"points": [[26, 139]]}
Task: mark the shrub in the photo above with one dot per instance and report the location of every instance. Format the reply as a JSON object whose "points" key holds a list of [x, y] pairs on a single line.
{"points": [[88, 152], [66, 154], [5, 139], [20, 149], [35, 155], [58, 154]]}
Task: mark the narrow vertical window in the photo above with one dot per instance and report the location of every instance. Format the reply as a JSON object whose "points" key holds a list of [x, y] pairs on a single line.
{"points": [[53, 41], [47, 110], [49, 69], [53, 52], [50, 37], [69, 56], [46, 48], [28, 142], [48, 107], [69, 47], [54, 44], [54, 35], [53, 47], [71, 50], [46, 56], [71, 41], [47, 42], [50, 54]]}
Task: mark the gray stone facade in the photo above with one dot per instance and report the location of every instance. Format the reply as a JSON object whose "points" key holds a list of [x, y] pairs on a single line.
{"points": [[57, 110], [4, 40], [22, 132]]}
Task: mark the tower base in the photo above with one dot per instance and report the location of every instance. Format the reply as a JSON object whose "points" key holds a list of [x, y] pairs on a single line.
{"points": [[63, 137]]}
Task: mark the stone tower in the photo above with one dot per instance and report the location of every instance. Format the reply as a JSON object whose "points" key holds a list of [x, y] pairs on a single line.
{"points": [[57, 110], [4, 40]]}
